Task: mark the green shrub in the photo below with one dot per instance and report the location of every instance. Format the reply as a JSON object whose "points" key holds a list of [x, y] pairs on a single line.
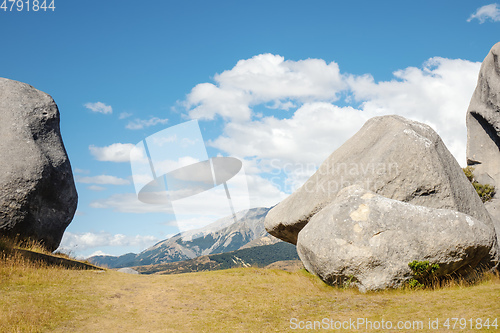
{"points": [[423, 273], [485, 191], [468, 173]]}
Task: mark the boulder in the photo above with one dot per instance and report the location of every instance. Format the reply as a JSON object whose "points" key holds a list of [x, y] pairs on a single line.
{"points": [[483, 130], [493, 207], [483, 122], [37, 192], [128, 270], [367, 240], [395, 157]]}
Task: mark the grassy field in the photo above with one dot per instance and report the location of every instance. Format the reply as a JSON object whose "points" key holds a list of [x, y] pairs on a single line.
{"points": [[36, 298]]}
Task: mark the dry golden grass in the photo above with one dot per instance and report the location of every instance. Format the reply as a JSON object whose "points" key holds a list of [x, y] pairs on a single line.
{"points": [[35, 298]]}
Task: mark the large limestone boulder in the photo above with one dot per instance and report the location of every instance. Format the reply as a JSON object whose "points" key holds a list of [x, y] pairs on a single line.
{"points": [[483, 122], [483, 130], [395, 157], [368, 240], [493, 207], [37, 192]]}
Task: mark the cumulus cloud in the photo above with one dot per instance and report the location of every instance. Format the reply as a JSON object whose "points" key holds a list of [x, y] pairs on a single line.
{"points": [[485, 13], [129, 203], [99, 107], [308, 135], [116, 152], [264, 192], [103, 180], [96, 188], [138, 124], [124, 115], [99, 253], [89, 240], [265, 78]]}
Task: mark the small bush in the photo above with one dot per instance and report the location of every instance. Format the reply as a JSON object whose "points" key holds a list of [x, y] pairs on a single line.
{"points": [[423, 273], [485, 191], [469, 173]]}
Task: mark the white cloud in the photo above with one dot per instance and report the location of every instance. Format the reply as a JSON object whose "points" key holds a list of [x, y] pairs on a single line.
{"points": [[96, 188], [124, 115], [165, 166], [485, 13], [89, 240], [263, 192], [103, 180], [137, 124], [307, 137], [128, 203], [262, 79], [282, 105], [117, 152], [99, 107], [99, 253], [269, 77], [207, 100]]}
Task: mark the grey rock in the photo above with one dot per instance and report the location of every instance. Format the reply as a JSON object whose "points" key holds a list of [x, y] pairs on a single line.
{"points": [[128, 270], [483, 122], [483, 130], [493, 207], [395, 157], [368, 240], [38, 197]]}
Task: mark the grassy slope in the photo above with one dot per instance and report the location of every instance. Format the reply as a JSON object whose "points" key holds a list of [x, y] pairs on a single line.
{"points": [[36, 299]]}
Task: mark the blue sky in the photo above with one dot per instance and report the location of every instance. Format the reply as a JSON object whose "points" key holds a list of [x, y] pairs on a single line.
{"points": [[278, 84]]}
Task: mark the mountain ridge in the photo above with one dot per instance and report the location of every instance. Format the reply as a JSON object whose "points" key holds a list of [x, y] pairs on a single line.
{"points": [[221, 236], [257, 256]]}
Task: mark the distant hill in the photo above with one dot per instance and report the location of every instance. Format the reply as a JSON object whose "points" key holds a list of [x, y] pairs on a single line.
{"points": [[224, 235], [259, 256]]}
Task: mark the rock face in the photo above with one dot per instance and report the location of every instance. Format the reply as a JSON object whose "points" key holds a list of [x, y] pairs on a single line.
{"points": [[493, 207], [392, 156], [128, 270], [368, 240], [483, 130], [483, 122], [38, 197]]}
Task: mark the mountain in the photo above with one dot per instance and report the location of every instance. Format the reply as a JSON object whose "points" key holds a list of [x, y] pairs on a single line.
{"points": [[259, 256], [224, 235]]}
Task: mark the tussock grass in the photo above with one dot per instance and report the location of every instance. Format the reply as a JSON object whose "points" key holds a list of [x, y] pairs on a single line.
{"points": [[7, 244], [37, 298]]}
